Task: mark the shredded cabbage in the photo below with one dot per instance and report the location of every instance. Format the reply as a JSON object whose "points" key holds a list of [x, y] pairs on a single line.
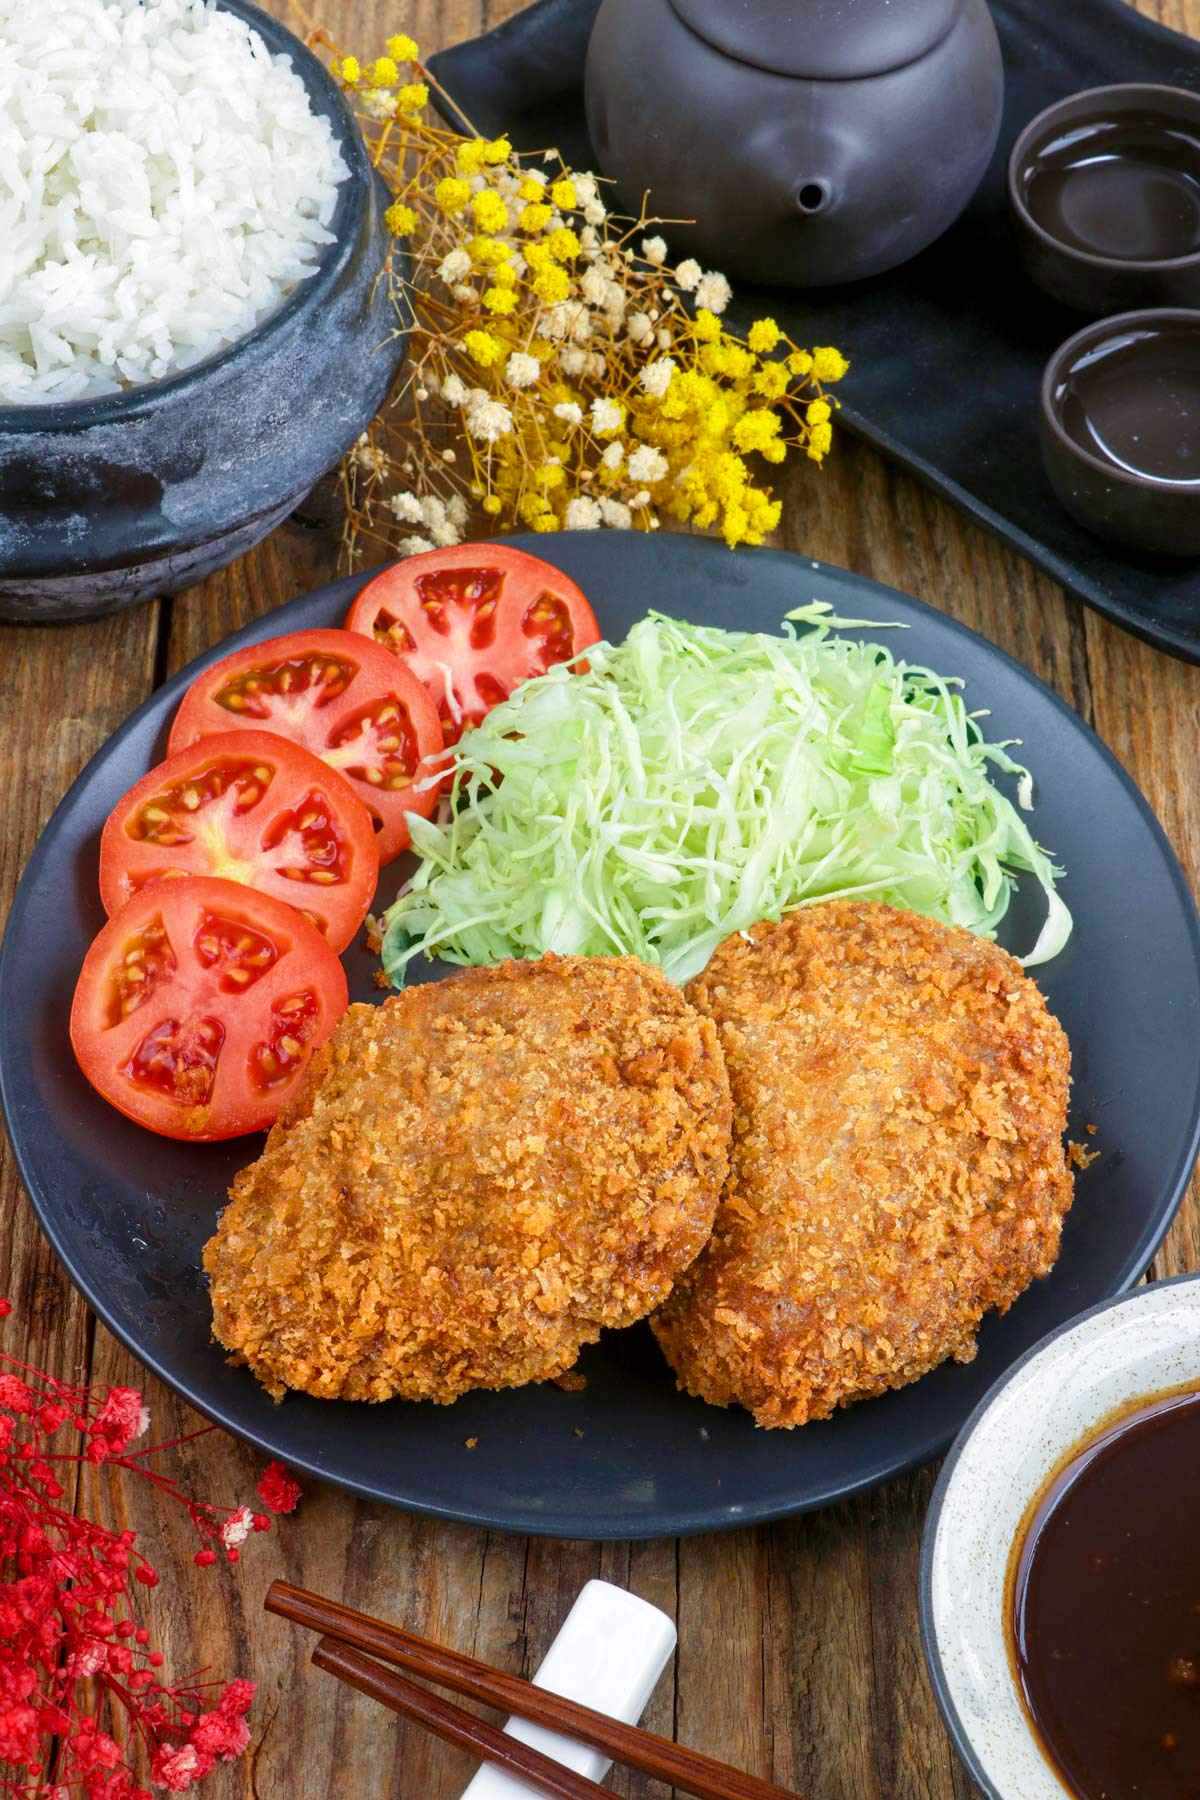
{"points": [[693, 781]]}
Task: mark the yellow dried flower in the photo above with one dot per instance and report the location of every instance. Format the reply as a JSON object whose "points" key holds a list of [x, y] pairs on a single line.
{"points": [[563, 195], [451, 195], [497, 150], [491, 505], [563, 244], [349, 69], [535, 216], [538, 256], [799, 362], [402, 49], [763, 335], [755, 430], [533, 506], [530, 189], [552, 285], [545, 522], [483, 348], [505, 275], [489, 251], [727, 359], [499, 300], [491, 214], [383, 73], [828, 364], [771, 381], [468, 158], [707, 326], [413, 97], [818, 411], [819, 440], [400, 219], [550, 475]]}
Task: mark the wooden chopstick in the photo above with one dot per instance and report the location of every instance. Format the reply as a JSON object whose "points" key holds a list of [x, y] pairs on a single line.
{"points": [[687, 1770], [453, 1724]]}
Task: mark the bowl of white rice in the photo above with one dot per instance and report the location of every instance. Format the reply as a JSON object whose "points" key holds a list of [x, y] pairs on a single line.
{"points": [[192, 326]]}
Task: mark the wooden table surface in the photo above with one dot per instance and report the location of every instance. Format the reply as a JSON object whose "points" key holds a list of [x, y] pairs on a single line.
{"points": [[799, 1652]]}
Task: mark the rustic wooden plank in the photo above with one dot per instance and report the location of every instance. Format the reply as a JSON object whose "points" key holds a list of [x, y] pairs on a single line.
{"points": [[63, 690]]}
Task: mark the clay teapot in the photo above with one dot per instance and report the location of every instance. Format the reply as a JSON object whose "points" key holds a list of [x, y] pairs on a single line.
{"points": [[810, 141]]}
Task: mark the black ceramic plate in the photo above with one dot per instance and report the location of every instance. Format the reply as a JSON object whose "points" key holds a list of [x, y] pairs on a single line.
{"points": [[947, 351], [627, 1457]]}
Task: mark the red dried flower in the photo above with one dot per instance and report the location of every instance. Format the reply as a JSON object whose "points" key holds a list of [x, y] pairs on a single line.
{"points": [[121, 1419], [277, 1489], [16, 1394], [81, 1696], [177, 1769], [20, 1733]]}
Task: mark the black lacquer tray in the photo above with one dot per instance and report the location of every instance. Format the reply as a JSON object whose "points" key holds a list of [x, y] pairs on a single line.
{"points": [[948, 350]]}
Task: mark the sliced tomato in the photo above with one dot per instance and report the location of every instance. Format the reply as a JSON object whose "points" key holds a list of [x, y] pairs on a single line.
{"points": [[473, 622], [248, 806], [344, 698], [199, 1005]]}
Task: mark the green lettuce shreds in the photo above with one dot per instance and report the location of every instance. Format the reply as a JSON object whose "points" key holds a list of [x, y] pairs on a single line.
{"points": [[694, 781]]}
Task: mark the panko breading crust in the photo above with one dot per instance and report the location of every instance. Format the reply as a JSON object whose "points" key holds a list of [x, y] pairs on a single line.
{"points": [[900, 1095], [475, 1177]]}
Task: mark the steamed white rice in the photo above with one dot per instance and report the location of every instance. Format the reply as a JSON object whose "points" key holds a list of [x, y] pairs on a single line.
{"points": [[164, 184]]}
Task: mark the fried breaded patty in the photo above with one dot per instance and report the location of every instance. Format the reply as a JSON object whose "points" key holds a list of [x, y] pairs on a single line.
{"points": [[473, 1179], [900, 1095]]}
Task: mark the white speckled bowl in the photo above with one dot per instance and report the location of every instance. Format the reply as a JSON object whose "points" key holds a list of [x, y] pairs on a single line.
{"points": [[1060, 1390]]}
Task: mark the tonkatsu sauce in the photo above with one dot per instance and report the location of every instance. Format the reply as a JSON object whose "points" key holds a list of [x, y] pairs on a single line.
{"points": [[1104, 1607]]}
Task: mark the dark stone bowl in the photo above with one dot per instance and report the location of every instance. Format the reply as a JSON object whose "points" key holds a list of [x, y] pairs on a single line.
{"points": [[108, 501]]}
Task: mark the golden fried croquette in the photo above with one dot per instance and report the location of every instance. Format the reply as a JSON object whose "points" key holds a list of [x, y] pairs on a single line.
{"points": [[473, 1179], [900, 1095]]}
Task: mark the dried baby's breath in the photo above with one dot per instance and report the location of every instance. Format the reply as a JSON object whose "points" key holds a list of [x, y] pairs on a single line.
{"points": [[562, 372]]}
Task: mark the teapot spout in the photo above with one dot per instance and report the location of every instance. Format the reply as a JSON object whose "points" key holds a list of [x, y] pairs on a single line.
{"points": [[814, 194]]}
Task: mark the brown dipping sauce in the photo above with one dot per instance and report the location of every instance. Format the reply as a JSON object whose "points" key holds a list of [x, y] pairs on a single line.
{"points": [[1103, 1607], [1127, 187]]}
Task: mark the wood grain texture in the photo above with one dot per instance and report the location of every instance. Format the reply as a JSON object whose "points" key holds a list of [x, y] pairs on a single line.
{"points": [[799, 1653]]}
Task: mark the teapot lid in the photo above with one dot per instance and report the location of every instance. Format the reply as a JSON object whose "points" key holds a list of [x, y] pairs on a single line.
{"points": [[823, 40]]}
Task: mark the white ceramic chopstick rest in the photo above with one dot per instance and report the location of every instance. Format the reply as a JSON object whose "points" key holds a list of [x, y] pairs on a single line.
{"points": [[609, 1654]]}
